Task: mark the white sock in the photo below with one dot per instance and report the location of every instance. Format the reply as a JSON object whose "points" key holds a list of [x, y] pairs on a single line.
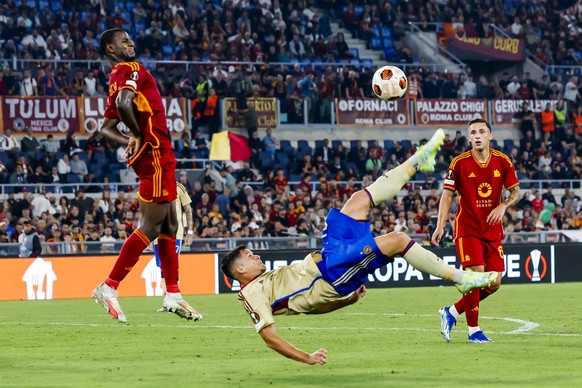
{"points": [[453, 311], [413, 160], [458, 277], [473, 329]]}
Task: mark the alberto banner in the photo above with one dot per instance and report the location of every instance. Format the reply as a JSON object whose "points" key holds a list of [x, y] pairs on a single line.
{"points": [[448, 112], [75, 277], [266, 109], [505, 112], [93, 108], [373, 112], [56, 115]]}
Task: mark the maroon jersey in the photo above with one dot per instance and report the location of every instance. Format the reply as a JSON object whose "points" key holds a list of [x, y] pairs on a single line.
{"points": [[480, 186], [150, 112]]}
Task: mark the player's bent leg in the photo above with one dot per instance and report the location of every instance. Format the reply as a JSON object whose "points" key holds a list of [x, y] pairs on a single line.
{"points": [[395, 243], [390, 183], [357, 206]]}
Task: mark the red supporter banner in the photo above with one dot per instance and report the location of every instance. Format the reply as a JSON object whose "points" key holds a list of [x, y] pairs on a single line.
{"points": [[93, 108], [461, 39], [266, 109], [504, 111], [56, 115], [434, 112], [372, 112]]}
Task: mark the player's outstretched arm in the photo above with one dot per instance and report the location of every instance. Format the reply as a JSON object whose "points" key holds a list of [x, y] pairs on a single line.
{"points": [[278, 344], [340, 303]]}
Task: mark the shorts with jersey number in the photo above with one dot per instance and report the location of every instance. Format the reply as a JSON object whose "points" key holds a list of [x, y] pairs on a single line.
{"points": [[349, 252], [474, 251], [156, 170]]}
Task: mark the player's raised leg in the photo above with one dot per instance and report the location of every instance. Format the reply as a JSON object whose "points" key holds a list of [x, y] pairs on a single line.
{"points": [[392, 181]]}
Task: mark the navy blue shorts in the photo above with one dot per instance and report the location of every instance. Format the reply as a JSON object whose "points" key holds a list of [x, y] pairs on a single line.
{"points": [[349, 252]]}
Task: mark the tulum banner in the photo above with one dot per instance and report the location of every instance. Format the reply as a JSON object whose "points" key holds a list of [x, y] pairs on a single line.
{"points": [[372, 112], [448, 112], [266, 109], [505, 111], [93, 108], [56, 115]]}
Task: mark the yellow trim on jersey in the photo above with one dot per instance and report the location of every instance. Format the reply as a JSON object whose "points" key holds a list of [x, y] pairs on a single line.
{"points": [[143, 199], [464, 155], [458, 216], [157, 173], [501, 154], [482, 165]]}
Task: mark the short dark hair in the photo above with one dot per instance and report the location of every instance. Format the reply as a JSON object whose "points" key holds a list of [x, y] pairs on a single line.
{"points": [[228, 260], [107, 38], [480, 121]]}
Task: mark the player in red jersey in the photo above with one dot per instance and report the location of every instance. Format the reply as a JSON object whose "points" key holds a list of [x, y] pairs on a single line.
{"points": [[134, 99], [479, 177]]}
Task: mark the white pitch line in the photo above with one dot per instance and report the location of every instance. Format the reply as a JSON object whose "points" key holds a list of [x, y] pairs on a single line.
{"points": [[249, 328], [525, 328]]}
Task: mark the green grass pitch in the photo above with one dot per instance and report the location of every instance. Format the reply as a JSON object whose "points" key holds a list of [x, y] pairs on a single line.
{"points": [[390, 339]]}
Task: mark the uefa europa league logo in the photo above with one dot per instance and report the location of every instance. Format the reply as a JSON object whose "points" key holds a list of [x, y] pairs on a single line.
{"points": [[535, 261]]}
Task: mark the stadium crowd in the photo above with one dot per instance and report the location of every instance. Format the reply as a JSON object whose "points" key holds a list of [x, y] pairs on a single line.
{"points": [[228, 203], [266, 32]]}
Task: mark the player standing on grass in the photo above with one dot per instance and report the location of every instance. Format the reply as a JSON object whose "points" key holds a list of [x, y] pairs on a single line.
{"points": [[478, 176], [134, 99], [327, 281]]}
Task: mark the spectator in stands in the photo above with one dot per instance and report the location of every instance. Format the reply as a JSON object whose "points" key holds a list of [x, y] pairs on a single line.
{"points": [[34, 41], [343, 50], [10, 143], [22, 162], [79, 167], [513, 87], [29, 143], [527, 118], [4, 176], [28, 85], [49, 85], [29, 241], [64, 167], [18, 177], [90, 84], [571, 93], [270, 143], [548, 124], [9, 82], [71, 144]]}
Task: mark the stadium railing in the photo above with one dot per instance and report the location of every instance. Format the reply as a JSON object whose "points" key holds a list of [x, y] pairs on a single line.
{"points": [[255, 243], [564, 70]]}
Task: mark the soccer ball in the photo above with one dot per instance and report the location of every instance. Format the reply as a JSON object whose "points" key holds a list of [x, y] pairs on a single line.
{"points": [[389, 83]]}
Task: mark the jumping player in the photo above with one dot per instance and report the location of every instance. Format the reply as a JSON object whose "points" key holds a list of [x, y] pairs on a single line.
{"points": [[134, 99], [327, 281], [478, 176]]}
